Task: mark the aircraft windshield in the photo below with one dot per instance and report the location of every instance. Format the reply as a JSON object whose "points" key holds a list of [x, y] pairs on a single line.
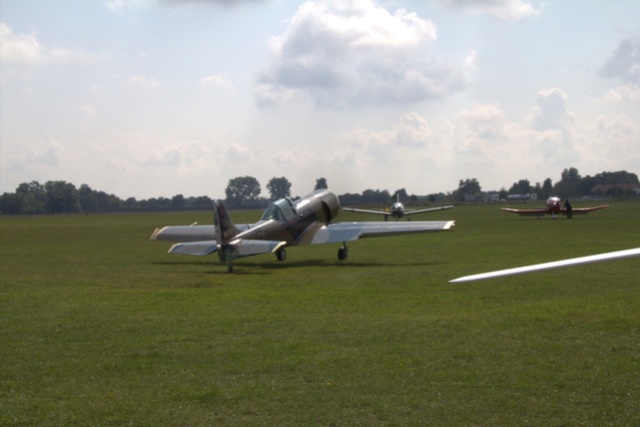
{"points": [[280, 210]]}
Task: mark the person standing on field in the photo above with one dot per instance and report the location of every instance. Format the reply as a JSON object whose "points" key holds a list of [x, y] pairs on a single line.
{"points": [[567, 206]]}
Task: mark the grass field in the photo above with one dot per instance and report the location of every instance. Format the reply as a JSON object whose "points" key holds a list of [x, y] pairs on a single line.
{"points": [[100, 327]]}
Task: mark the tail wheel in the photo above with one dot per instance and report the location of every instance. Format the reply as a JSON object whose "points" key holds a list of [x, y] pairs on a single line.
{"points": [[281, 255]]}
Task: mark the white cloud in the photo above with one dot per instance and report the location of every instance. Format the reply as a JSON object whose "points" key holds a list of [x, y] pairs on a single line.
{"points": [[19, 47], [551, 111], [36, 155], [26, 49], [501, 9], [224, 3], [471, 60], [216, 80], [624, 64], [145, 82], [344, 54], [624, 93]]}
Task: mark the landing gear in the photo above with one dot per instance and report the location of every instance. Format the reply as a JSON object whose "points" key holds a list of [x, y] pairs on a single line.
{"points": [[229, 267], [281, 254], [343, 252]]}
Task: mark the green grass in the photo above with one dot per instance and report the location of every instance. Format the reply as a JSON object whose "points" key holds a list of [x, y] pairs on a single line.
{"points": [[99, 326]]}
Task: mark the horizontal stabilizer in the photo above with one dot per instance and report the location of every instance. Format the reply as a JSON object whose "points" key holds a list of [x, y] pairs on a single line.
{"points": [[202, 248], [189, 233], [241, 247]]}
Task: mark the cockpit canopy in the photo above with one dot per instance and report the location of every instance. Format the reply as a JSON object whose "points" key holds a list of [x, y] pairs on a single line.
{"points": [[280, 210], [554, 201]]}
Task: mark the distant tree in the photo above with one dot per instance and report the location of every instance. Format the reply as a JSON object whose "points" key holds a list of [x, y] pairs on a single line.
{"points": [[62, 197], [402, 193], [503, 193], [606, 178], [619, 177], [31, 197], [570, 175], [279, 188], [88, 201], [178, 202], [321, 183], [131, 204], [11, 204], [242, 189], [467, 186], [203, 202], [521, 187], [568, 184], [547, 188], [537, 190], [375, 196]]}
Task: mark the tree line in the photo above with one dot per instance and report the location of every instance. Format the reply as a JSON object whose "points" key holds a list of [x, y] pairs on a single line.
{"points": [[617, 184], [56, 197]]}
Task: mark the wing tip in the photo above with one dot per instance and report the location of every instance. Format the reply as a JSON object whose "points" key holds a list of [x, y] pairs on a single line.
{"points": [[156, 233]]}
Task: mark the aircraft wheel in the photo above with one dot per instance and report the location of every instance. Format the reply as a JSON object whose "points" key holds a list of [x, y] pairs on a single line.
{"points": [[343, 254], [281, 255]]}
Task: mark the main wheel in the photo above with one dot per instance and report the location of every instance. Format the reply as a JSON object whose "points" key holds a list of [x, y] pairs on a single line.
{"points": [[281, 255], [343, 254]]}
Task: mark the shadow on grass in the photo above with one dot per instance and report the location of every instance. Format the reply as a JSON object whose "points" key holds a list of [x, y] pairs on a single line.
{"points": [[269, 267]]}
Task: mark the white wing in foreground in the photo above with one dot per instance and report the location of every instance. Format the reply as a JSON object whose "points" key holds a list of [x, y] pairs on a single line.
{"points": [[549, 265]]}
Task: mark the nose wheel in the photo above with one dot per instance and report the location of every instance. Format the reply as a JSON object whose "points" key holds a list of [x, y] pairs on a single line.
{"points": [[343, 252]]}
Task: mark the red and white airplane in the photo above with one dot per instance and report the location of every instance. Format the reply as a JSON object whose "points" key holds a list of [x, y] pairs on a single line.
{"points": [[554, 207]]}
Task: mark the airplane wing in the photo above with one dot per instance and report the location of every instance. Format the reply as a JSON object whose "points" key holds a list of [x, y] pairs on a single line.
{"points": [[201, 248], [350, 231], [237, 248], [584, 210], [385, 213], [549, 265], [527, 212], [415, 211], [189, 233]]}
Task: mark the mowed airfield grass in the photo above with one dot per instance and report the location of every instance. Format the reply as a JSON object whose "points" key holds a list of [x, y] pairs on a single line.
{"points": [[100, 326]]}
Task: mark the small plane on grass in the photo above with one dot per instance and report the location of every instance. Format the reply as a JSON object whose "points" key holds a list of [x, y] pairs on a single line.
{"points": [[554, 207], [285, 222], [549, 265], [397, 210]]}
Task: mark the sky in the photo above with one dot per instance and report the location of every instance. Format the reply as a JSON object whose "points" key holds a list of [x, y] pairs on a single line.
{"points": [[153, 98]]}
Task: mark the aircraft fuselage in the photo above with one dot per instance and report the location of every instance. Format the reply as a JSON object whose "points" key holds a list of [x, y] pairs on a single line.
{"points": [[554, 204]]}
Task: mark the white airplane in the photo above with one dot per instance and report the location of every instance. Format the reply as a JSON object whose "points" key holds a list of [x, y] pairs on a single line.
{"points": [[397, 210], [549, 265], [306, 221]]}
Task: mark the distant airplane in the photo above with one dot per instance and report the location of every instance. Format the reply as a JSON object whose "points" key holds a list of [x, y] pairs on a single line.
{"points": [[285, 222], [397, 210], [554, 207], [549, 265]]}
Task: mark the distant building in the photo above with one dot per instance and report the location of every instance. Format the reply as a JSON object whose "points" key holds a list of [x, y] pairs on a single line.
{"points": [[525, 196], [481, 197]]}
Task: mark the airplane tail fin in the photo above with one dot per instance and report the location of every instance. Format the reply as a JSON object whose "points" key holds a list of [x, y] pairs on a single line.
{"points": [[228, 246], [225, 229]]}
